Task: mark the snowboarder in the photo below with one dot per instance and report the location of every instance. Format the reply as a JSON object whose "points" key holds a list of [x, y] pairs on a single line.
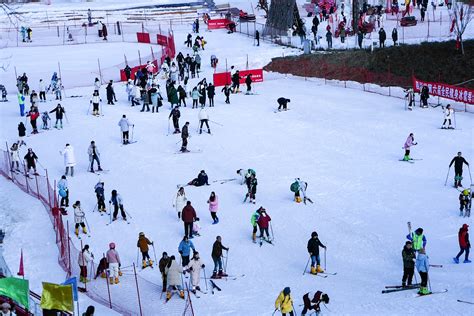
{"points": [[202, 179], [100, 195], [188, 217], [213, 202], [227, 90], [448, 113], [173, 278], [408, 143], [464, 244], [284, 302], [409, 258], [45, 118], [30, 159], [85, 256], [263, 223], [184, 250], [465, 202], [204, 119], [69, 159], [79, 218], [175, 114], [110, 93], [217, 258], [94, 155], [418, 239], [184, 138], [162, 264], [194, 267], [113, 259], [143, 243], [60, 112], [410, 95], [312, 301], [248, 82], [180, 201], [422, 265], [458, 162], [95, 99], [299, 187], [117, 201], [15, 157], [282, 103], [63, 191], [125, 124], [313, 249], [252, 183]]}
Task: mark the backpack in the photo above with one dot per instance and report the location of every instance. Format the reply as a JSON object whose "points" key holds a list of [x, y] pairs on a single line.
{"points": [[294, 187]]}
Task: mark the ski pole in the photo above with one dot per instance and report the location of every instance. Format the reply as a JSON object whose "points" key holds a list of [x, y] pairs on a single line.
{"points": [[325, 268], [88, 109], [271, 229], [274, 311], [96, 206], [87, 224], [294, 309], [446, 181], [67, 120], [306, 266], [133, 127], [226, 258], [217, 123], [168, 126], [454, 119], [110, 212], [470, 176], [429, 281], [179, 141], [138, 255], [205, 278], [154, 252], [39, 163], [128, 214]]}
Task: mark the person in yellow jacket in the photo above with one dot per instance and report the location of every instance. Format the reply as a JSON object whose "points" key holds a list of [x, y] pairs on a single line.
{"points": [[284, 302]]}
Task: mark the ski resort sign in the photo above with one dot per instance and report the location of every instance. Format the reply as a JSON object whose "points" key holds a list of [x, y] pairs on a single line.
{"points": [[442, 90]]}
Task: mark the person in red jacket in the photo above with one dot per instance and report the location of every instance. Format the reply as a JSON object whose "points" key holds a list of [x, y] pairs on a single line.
{"points": [[33, 114], [464, 244], [188, 216], [263, 223]]}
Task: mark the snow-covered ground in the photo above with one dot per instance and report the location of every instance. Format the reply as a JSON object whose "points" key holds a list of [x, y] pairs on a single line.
{"points": [[345, 143]]}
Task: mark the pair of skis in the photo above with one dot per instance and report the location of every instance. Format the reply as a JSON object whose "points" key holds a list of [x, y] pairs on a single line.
{"points": [[411, 160], [214, 286]]}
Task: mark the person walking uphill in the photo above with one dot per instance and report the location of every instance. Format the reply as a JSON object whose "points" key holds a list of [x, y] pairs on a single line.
{"points": [[422, 265], [458, 162], [409, 258], [85, 256], [217, 258], [408, 143], [313, 249], [113, 259], [188, 217], [418, 239], [117, 201], [464, 244], [69, 159], [143, 243], [284, 302], [184, 250], [125, 124]]}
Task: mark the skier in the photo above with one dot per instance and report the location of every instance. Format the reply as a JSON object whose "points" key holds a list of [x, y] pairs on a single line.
{"points": [[184, 250], [227, 90], [194, 267], [195, 94], [162, 264], [448, 113], [202, 179], [418, 239], [188, 217], [110, 93], [464, 244], [409, 258], [317, 298], [143, 243], [175, 114], [248, 82], [45, 118], [213, 202], [21, 103], [184, 138], [282, 103], [79, 218], [180, 201], [422, 265], [125, 124], [254, 220], [263, 222], [211, 92], [313, 249], [235, 82], [63, 192], [117, 201], [60, 112], [458, 164], [217, 258], [299, 187], [204, 119], [94, 155], [465, 202], [57, 87], [410, 95], [69, 159], [30, 159], [15, 157], [408, 143], [251, 182], [95, 99], [113, 259], [85, 256], [33, 114], [173, 278], [284, 302], [99, 193]]}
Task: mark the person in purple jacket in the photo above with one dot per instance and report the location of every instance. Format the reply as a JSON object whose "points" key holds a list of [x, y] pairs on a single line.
{"points": [[408, 143]]}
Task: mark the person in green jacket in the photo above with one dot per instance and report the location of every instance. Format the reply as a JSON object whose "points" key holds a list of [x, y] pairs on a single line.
{"points": [[172, 96], [254, 220]]}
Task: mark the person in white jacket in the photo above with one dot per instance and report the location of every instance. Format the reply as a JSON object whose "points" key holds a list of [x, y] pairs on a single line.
{"points": [[15, 158], [194, 267], [85, 256], [69, 159], [79, 217], [180, 201], [95, 100], [173, 273], [448, 114], [42, 91], [125, 124], [97, 84], [204, 119]]}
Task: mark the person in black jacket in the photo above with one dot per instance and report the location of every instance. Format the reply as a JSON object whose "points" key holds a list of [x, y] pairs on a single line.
{"points": [[226, 91], [458, 162], [282, 103], [248, 82], [181, 95], [217, 258], [394, 36], [184, 138], [175, 114], [382, 37], [59, 110], [128, 72], [409, 258], [202, 179], [21, 134], [257, 37], [236, 82], [110, 93], [313, 248], [30, 159], [211, 92]]}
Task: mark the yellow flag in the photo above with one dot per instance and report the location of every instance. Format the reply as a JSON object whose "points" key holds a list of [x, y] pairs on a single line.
{"points": [[57, 296]]}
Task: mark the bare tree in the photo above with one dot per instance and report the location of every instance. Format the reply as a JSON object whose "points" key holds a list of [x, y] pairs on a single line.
{"points": [[461, 15], [263, 4]]}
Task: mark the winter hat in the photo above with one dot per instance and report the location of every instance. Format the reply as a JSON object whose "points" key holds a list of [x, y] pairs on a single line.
{"points": [[465, 226], [141, 234], [314, 234], [165, 254], [112, 245], [286, 291], [408, 243], [419, 231], [6, 305]]}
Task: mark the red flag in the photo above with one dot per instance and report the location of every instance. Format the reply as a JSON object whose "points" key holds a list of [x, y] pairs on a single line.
{"points": [[21, 270]]}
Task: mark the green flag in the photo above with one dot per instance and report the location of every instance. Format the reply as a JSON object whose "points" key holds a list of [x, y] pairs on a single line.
{"points": [[16, 289]]}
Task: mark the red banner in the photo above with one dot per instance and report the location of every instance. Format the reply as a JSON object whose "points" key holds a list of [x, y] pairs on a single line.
{"points": [[161, 40], [217, 24], [143, 37], [442, 90], [223, 78]]}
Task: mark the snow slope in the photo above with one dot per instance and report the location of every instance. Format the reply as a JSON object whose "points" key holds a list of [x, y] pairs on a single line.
{"points": [[344, 143]]}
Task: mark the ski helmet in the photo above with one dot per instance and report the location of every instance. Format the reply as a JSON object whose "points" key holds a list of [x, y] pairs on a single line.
{"points": [[286, 291], [112, 245], [141, 234], [314, 234]]}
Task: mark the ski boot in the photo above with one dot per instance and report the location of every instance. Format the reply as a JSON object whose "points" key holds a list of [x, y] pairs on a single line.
{"points": [[103, 275], [84, 230], [319, 269], [120, 273], [404, 284], [99, 169], [116, 280], [254, 237], [208, 130], [406, 158], [313, 270], [150, 263], [222, 274], [144, 264], [168, 296], [456, 260], [297, 199], [214, 275], [111, 280], [77, 232], [424, 291]]}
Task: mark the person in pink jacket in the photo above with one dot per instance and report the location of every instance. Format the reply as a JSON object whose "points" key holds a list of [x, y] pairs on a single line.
{"points": [[113, 259], [213, 207], [408, 143]]}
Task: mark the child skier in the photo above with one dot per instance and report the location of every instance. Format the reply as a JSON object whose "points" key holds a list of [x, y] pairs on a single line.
{"points": [[448, 113], [117, 201], [63, 192], [465, 201], [312, 301], [99, 193], [45, 117], [464, 244], [95, 99], [263, 222], [408, 143], [162, 264], [173, 278], [194, 267], [79, 217], [297, 187], [143, 243], [113, 259], [251, 187], [458, 162], [418, 239], [313, 249], [284, 302], [85, 256], [422, 265]]}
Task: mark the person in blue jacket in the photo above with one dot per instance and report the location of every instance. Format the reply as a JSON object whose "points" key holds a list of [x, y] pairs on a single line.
{"points": [[184, 250], [422, 265]]}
